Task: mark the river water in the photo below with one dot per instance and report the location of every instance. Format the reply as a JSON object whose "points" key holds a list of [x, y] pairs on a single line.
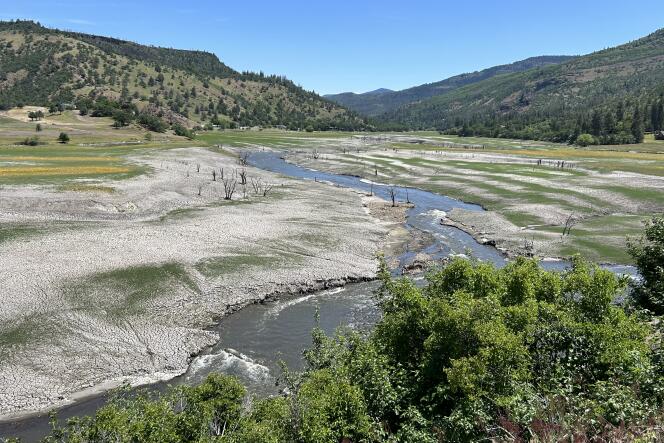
{"points": [[255, 339]]}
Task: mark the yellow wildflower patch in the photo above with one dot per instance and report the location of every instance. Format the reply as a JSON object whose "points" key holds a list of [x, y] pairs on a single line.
{"points": [[57, 159], [46, 170]]}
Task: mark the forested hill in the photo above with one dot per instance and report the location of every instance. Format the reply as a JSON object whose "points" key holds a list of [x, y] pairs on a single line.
{"points": [[610, 96], [383, 100], [42, 66]]}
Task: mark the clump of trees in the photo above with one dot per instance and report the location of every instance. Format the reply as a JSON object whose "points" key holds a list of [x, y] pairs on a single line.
{"points": [[183, 132], [152, 122], [611, 124], [35, 115], [63, 138], [475, 354]]}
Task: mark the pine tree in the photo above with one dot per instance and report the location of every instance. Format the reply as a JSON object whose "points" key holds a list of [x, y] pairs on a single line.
{"points": [[637, 125], [596, 124], [657, 116]]}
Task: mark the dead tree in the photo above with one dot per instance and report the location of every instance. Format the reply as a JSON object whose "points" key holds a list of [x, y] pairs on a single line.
{"points": [[257, 185], [243, 159], [221, 173], [200, 188], [393, 196], [571, 221], [243, 177], [267, 188], [529, 247], [214, 175], [315, 154], [407, 197], [229, 188], [198, 167]]}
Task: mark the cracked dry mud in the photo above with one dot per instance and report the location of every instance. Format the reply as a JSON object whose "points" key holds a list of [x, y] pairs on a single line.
{"points": [[99, 288]]}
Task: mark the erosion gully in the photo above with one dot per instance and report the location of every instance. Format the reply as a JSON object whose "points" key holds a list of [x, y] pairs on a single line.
{"points": [[255, 339]]}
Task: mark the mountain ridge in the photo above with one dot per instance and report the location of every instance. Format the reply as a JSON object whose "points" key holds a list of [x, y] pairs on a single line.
{"points": [[372, 104], [42, 66], [613, 94]]}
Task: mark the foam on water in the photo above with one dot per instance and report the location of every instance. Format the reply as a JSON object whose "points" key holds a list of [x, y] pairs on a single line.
{"points": [[230, 361], [278, 307], [437, 214]]}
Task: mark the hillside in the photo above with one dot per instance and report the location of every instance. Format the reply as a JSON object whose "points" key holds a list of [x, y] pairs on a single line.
{"points": [[41, 66], [613, 94], [383, 100]]}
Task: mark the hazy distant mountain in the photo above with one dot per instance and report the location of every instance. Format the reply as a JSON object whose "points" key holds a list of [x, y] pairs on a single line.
{"points": [[383, 100]]}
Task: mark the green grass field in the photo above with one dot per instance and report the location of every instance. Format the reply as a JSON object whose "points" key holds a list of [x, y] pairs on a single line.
{"points": [[96, 152]]}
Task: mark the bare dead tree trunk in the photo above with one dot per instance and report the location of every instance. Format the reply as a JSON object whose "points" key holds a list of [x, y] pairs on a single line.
{"points": [[257, 185], [267, 188], [243, 177], [214, 175], [229, 188], [393, 196], [243, 158], [569, 223]]}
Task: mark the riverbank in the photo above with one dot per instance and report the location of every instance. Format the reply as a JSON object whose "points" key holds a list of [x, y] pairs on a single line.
{"points": [[128, 281]]}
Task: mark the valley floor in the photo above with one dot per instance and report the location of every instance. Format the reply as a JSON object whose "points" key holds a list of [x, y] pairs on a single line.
{"points": [[118, 250], [532, 192], [119, 283]]}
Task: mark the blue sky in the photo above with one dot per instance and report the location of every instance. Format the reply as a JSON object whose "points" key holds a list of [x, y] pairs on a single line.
{"points": [[342, 45]]}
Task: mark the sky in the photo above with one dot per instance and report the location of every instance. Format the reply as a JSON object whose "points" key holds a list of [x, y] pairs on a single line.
{"points": [[341, 45]]}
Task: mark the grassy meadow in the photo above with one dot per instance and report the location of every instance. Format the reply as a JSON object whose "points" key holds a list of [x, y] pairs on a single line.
{"points": [[96, 152]]}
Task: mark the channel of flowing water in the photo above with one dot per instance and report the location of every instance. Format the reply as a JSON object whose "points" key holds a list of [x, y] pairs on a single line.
{"points": [[255, 339]]}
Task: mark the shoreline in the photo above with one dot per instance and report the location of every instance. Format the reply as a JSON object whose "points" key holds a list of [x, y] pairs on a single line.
{"points": [[508, 252], [393, 235], [136, 381], [511, 253], [92, 352]]}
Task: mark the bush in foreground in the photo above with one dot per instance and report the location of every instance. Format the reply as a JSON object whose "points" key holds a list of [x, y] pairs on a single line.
{"points": [[648, 253]]}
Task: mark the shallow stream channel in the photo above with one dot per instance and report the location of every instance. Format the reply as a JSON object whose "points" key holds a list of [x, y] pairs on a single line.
{"points": [[256, 338]]}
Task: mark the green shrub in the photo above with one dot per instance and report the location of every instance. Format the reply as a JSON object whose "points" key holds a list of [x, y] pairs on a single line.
{"points": [[182, 131], [30, 141], [648, 253], [585, 140], [151, 122]]}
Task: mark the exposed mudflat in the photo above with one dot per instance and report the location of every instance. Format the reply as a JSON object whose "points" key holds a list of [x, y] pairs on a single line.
{"points": [[104, 287], [530, 199]]}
